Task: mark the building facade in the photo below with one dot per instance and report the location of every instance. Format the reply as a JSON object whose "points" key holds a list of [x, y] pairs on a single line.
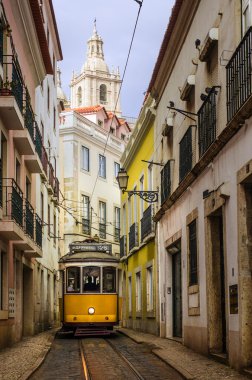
{"points": [[91, 144], [96, 84], [29, 49], [202, 90], [138, 250]]}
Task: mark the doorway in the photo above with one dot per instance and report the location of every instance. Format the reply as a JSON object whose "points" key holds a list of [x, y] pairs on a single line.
{"points": [[177, 295], [27, 301], [217, 285]]}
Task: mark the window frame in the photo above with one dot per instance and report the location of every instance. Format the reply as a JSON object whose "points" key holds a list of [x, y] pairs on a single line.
{"points": [[85, 165], [102, 166]]}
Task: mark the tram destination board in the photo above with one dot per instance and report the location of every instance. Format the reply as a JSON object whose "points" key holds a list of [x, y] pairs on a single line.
{"points": [[90, 247]]}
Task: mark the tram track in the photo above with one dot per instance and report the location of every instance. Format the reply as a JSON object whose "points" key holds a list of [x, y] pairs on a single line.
{"points": [[109, 366]]}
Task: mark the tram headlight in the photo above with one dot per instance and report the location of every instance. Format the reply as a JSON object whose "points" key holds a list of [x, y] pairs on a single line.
{"points": [[91, 310]]}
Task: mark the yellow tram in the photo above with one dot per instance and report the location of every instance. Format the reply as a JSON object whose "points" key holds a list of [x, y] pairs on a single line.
{"points": [[89, 289]]}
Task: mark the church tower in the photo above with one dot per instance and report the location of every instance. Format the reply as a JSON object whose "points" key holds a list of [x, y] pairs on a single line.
{"points": [[96, 84]]}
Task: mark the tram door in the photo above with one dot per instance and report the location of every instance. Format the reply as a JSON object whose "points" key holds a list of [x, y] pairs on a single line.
{"points": [[177, 295]]}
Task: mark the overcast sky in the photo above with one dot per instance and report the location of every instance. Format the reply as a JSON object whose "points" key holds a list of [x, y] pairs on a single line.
{"points": [[115, 20]]}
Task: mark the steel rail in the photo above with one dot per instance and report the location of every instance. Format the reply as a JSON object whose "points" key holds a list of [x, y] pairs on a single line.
{"points": [[87, 375], [136, 373]]}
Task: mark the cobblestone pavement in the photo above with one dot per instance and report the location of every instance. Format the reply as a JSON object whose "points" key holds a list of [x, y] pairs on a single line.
{"points": [[19, 361], [63, 362], [190, 364]]}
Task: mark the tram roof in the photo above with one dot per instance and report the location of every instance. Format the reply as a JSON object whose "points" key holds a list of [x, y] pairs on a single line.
{"points": [[88, 256]]}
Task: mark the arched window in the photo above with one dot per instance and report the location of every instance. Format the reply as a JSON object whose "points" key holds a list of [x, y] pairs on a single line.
{"points": [[79, 96], [103, 93]]}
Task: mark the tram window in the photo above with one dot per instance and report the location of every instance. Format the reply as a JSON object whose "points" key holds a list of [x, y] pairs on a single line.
{"points": [[109, 280], [91, 279], [73, 280]]}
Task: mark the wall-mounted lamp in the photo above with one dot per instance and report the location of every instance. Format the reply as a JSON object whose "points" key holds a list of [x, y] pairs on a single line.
{"points": [[148, 196]]}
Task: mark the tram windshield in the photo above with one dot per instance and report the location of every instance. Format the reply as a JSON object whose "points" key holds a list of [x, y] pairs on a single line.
{"points": [[73, 280], [109, 280], [91, 279]]}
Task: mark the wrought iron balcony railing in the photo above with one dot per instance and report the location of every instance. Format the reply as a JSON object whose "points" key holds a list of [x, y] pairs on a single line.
{"points": [[29, 219], [38, 141], [133, 236], [207, 121], [102, 230], [86, 226], [117, 234], [123, 246], [239, 76], [147, 224], [13, 83], [1, 184], [12, 197], [38, 223], [29, 116], [185, 154], [166, 181]]}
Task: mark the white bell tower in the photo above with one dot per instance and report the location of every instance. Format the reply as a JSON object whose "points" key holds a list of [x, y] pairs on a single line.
{"points": [[96, 84]]}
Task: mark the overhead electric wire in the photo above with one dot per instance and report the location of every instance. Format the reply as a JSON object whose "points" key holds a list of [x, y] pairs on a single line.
{"points": [[124, 72]]}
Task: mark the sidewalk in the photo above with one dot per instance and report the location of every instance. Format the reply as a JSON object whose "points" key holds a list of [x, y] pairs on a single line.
{"points": [[190, 364], [20, 360]]}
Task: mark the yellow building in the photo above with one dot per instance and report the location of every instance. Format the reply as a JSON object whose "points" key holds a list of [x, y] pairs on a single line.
{"points": [[137, 242]]}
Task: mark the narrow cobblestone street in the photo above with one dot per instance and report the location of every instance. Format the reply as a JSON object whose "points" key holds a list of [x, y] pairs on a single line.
{"points": [[61, 359]]}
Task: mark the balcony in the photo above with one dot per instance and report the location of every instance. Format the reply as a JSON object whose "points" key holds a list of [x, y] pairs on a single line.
{"points": [[166, 181], [207, 122], [133, 236], [102, 230], [239, 86], [123, 246], [45, 163], [147, 224], [38, 229], [51, 178], [12, 94], [29, 219], [185, 154], [11, 226], [86, 226]]}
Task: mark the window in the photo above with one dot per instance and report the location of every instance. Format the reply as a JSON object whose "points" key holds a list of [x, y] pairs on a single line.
{"points": [[149, 283], [86, 215], [18, 169], [28, 189], [124, 220], [79, 96], [135, 205], [73, 280], [117, 223], [85, 158], [91, 279], [141, 200], [54, 229], [150, 178], [129, 294], [42, 131], [123, 137], [49, 219], [109, 280], [112, 131], [42, 206], [138, 292], [48, 98], [100, 123], [193, 265], [246, 15], [102, 166], [54, 119], [103, 93], [185, 154], [116, 169], [102, 219]]}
